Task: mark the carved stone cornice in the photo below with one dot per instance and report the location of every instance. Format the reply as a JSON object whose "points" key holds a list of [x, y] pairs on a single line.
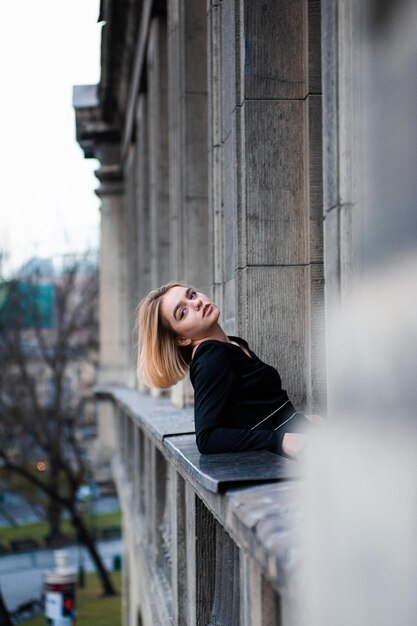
{"points": [[111, 180], [92, 130]]}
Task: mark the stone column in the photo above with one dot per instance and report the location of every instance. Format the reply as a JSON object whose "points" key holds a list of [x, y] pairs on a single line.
{"points": [[342, 150], [113, 309], [370, 135], [132, 252], [142, 198], [114, 343], [158, 152], [187, 79], [142, 210], [266, 183], [187, 41]]}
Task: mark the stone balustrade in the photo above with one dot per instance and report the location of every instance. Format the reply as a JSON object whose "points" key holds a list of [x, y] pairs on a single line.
{"points": [[215, 536]]}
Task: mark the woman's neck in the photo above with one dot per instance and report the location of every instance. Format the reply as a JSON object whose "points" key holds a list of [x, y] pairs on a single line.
{"points": [[217, 334]]}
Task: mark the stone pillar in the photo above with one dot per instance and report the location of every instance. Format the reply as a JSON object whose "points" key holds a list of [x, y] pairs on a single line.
{"points": [[342, 153], [113, 306], [132, 252], [158, 152], [215, 153], [114, 333], [266, 182], [187, 40], [142, 210], [187, 80], [142, 198], [370, 136]]}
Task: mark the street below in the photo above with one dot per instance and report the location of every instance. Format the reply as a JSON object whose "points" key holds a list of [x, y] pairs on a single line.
{"points": [[22, 575]]}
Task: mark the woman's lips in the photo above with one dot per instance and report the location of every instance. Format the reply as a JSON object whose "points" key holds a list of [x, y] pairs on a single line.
{"points": [[207, 309]]}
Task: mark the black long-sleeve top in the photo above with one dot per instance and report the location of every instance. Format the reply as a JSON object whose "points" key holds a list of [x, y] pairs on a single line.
{"points": [[239, 403]]}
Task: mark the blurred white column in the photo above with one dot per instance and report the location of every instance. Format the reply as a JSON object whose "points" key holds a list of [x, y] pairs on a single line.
{"points": [[361, 508]]}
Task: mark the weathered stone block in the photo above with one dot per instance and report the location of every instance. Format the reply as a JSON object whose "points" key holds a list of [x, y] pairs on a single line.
{"points": [[275, 181], [195, 46], [195, 174], [273, 317], [229, 183], [314, 46], [274, 59], [228, 94], [195, 252]]}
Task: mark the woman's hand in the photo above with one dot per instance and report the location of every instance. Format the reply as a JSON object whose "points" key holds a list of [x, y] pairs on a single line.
{"points": [[293, 443]]}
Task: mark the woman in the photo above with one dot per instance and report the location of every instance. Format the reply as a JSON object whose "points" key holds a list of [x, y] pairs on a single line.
{"points": [[239, 402]]}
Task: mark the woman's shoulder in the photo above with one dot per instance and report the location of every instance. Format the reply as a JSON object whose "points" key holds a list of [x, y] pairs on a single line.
{"points": [[209, 348], [211, 359], [240, 341], [214, 353]]}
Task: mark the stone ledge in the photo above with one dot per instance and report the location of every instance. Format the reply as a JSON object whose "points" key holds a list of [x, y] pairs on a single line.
{"points": [[157, 417], [165, 423], [217, 472]]}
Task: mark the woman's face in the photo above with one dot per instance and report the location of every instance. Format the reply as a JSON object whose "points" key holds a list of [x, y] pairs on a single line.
{"points": [[190, 314]]}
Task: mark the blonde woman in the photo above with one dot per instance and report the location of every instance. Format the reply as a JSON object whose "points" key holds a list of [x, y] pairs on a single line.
{"points": [[239, 403]]}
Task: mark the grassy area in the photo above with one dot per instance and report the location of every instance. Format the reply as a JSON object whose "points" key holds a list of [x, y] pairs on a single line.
{"points": [[92, 608], [38, 530]]}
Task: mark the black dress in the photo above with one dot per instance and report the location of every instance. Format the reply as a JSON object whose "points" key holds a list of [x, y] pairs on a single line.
{"points": [[239, 403]]}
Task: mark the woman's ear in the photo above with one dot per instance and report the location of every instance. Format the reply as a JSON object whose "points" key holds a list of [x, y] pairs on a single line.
{"points": [[182, 341]]}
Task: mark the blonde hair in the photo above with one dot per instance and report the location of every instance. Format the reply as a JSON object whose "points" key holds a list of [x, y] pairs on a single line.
{"points": [[161, 361]]}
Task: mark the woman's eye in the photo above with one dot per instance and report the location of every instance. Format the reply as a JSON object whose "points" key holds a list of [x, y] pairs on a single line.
{"points": [[193, 294], [182, 313]]}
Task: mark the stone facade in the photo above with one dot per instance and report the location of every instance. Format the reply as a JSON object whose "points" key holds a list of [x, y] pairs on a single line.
{"points": [[220, 170], [264, 151]]}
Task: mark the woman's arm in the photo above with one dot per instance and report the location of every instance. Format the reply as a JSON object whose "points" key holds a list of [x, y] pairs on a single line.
{"points": [[221, 439], [213, 380]]}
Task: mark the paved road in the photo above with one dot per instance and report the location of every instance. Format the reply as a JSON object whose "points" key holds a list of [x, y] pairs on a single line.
{"points": [[22, 575]]}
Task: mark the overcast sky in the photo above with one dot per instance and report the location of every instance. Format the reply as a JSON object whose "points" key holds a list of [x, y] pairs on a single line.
{"points": [[47, 200]]}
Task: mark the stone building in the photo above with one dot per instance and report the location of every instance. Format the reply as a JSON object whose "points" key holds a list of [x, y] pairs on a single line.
{"points": [[264, 151]]}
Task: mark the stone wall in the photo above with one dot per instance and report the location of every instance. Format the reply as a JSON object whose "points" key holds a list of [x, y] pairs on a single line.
{"points": [[219, 150]]}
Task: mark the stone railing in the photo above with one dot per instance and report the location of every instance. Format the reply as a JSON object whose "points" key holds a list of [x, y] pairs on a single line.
{"points": [[209, 539]]}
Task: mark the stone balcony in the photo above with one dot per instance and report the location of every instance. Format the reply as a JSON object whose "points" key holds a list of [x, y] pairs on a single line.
{"points": [[215, 536]]}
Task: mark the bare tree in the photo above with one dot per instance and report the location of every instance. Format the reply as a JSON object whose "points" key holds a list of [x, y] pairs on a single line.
{"points": [[48, 335]]}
